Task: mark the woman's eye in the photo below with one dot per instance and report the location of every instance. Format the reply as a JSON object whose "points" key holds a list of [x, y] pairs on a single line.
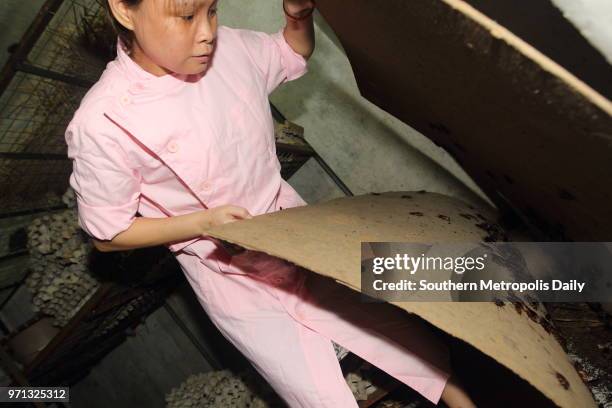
{"points": [[213, 12], [187, 18]]}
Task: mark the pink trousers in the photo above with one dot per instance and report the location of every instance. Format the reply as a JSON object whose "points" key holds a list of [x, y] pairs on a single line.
{"points": [[283, 318]]}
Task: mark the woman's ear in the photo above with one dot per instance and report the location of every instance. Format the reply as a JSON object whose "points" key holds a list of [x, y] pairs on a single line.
{"points": [[122, 13]]}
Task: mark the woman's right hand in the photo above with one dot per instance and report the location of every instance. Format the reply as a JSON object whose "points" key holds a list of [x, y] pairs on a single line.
{"points": [[224, 214]]}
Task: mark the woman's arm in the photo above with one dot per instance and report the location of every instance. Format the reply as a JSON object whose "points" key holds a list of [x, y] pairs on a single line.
{"points": [[147, 232], [299, 33]]}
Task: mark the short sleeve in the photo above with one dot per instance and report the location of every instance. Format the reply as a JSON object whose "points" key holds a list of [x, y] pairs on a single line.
{"points": [[274, 57], [107, 189]]}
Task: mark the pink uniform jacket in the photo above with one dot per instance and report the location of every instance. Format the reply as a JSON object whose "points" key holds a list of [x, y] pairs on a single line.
{"points": [[175, 144]]}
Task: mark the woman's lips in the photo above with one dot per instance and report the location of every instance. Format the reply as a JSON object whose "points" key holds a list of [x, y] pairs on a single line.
{"points": [[202, 58]]}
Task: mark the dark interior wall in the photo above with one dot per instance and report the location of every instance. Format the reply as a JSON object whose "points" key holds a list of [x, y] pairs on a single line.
{"points": [[542, 25]]}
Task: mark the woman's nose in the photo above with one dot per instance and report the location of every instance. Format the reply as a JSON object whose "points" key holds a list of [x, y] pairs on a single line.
{"points": [[206, 32]]}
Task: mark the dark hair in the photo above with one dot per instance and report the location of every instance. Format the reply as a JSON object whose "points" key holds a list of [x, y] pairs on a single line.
{"points": [[127, 36]]}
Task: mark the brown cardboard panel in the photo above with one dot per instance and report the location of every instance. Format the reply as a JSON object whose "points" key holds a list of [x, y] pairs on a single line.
{"points": [[529, 132], [326, 238]]}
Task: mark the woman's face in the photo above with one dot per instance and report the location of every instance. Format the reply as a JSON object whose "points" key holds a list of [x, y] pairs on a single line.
{"points": [[174, 35]]}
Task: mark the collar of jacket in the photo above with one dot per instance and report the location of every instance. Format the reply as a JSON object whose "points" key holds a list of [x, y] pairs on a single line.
{"points": [[145, 83], [152, 113]]}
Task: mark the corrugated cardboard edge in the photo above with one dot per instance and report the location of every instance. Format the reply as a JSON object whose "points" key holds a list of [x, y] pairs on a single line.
{"points": [[320, 238], [532, 53]]}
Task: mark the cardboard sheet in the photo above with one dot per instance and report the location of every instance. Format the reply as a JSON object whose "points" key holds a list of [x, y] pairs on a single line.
{"points": [[326, 239], [531, 134]]}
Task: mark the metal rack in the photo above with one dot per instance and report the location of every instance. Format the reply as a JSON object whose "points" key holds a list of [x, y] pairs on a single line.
{"points": [[59, 57], [84, 341], [101, 324], [40, 88]]}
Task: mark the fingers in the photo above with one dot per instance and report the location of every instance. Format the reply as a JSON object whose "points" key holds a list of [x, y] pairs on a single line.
{"points": [[231, 213], [240, 213]]}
